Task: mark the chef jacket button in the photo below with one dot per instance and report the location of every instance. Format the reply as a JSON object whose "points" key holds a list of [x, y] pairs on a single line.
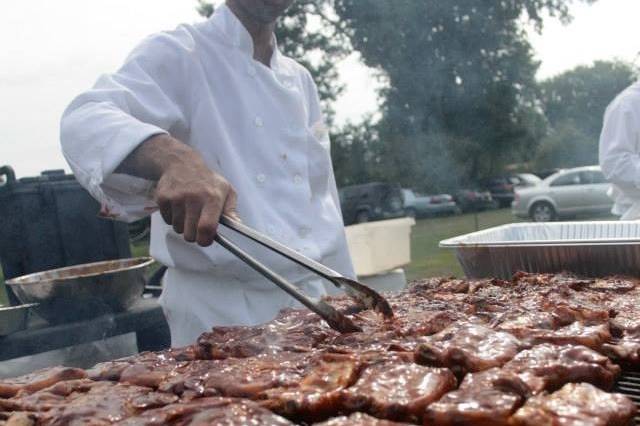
{"points": [[258, 122], [261, 178], [251, 70], [297, 179]]}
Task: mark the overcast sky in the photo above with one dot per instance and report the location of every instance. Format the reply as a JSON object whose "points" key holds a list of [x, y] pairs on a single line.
{"points": [[52, 50]]}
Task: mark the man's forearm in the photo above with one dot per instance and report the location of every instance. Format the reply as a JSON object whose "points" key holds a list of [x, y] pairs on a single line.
{"points": [[190, 196], [156, 155]]}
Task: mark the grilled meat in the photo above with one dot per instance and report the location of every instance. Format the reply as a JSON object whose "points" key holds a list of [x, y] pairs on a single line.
{"points": [[466, 346], [576, 404], [548, 367], [358, 419], [318, 395], [508, 343], [398, 391], [208, 412], [480, 407], [39, 380]]}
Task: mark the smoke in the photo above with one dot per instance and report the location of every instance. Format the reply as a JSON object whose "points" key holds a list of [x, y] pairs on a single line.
{"points": [[81, 356]]}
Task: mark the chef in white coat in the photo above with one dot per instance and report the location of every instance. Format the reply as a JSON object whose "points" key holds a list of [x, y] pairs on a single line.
{"points": [[209, 119], [620, 152]]}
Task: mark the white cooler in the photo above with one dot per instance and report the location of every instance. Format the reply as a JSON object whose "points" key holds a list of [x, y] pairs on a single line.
{"points": [[379, 250]]}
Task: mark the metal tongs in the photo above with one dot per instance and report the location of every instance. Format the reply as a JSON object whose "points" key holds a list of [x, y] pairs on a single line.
{"points": [[362, 294]]}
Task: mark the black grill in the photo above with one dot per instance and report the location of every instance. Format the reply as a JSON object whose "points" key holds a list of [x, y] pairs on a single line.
{"points": [[629, 385]]}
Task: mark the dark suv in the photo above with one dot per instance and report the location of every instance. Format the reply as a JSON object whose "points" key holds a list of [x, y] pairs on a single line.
{"points": [[502, 188], [371, 201]]}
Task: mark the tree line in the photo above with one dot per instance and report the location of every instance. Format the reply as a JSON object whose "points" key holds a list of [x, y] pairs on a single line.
{"points": [[460, 100]]}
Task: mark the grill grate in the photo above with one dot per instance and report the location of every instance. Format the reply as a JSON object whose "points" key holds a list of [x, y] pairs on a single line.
{"points": [[629, 385]]}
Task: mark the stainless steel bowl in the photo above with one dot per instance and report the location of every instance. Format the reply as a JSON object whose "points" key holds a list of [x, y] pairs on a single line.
{"points": [[83, 291], [14, 318]]}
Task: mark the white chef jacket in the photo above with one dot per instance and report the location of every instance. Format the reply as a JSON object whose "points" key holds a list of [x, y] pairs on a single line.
{"points": [[259, 127], [620, 152]]}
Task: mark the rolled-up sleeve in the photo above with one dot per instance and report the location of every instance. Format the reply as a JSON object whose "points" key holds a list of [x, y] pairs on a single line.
{"points": [[619, 143], [103, 125]]}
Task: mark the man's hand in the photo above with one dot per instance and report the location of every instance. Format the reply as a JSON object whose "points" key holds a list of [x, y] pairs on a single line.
{"points": [[191, 197]]}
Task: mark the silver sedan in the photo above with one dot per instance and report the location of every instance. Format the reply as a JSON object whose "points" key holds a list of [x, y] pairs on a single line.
{"points": [[567, 193]]}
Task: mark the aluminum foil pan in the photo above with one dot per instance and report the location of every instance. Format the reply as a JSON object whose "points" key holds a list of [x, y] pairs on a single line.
{"points": [[586, 248]]}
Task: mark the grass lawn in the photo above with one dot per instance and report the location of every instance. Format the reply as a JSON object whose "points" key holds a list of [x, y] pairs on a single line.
{"points": [[427, 259]]}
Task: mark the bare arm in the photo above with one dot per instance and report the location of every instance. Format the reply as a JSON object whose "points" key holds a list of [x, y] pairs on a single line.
{"points": [[191, 197]]}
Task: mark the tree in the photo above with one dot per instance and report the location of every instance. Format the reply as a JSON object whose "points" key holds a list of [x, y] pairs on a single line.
{"points": [[566, 146], [461, 75], [353, 153], [574, 103], [310, 33]]}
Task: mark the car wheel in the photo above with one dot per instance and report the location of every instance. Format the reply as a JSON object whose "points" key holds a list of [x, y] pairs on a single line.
{"points": [[411, 213], [542, 212], [362, 217]]}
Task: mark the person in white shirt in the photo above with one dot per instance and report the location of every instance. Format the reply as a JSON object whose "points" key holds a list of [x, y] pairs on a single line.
{"points": [[209, 119], [620, 152]]}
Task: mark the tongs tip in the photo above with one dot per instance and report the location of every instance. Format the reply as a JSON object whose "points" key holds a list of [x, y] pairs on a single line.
{"points": [[365, 295]]}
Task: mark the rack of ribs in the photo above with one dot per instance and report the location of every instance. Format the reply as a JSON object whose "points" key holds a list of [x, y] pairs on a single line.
{"points": [[397, 391], [89, 402], [318, 395], [467, 347], [45, 399], [208, 411], [359, 419], [291, 331], [486, 407], [239, 377], [112, 370], [486, 398], [39, 380], [576, 404], [577, 333], [548, 367]]}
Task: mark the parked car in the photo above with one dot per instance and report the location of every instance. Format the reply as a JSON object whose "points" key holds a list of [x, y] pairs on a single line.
{"points": [[568, 193], [469, 200], [543, 174], [416, 205], [527, 179], [502, 187], [371, 201]]}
